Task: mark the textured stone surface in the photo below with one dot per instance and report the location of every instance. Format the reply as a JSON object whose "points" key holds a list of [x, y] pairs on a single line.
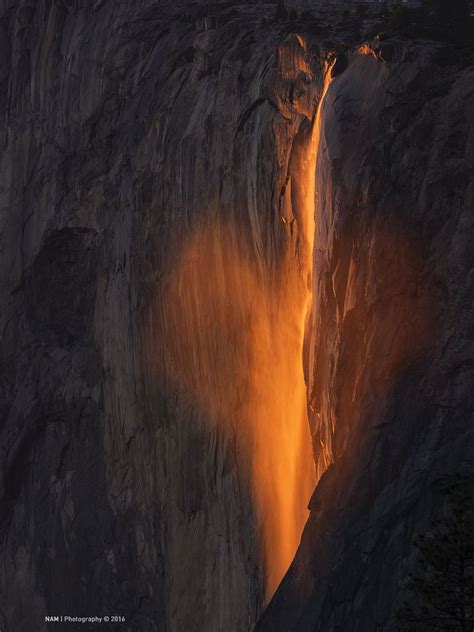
{"points": [[127, 127], [392, 382]]}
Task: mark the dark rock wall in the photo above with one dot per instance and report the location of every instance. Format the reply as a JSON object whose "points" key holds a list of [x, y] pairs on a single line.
{"points": [[125, 127], [392, 343]]}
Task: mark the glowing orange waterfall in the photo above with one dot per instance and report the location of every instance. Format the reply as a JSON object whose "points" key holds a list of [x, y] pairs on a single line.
{"points": [[293, 484], [284, 471], [311, 200], [234, 342], [313, 160]]}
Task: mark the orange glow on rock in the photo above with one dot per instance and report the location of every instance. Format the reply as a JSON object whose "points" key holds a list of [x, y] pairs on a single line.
{"points": [[312, 198], [232, 336], [234, 343], [366, 49]]}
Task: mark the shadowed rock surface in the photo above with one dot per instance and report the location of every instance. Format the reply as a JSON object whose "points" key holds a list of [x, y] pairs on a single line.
{"points": [[126, 129], [393, 316]]}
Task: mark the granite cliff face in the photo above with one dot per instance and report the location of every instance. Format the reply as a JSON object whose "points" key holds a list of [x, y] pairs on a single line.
{"points": [[133, 135], [391, 371], [152, 162]]}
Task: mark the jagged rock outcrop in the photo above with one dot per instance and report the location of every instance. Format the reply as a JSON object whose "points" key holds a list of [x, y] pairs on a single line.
{"points": [[391, 384]]}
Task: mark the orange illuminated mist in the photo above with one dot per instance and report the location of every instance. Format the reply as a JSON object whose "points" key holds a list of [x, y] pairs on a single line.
{"points": [[233, 334]]}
